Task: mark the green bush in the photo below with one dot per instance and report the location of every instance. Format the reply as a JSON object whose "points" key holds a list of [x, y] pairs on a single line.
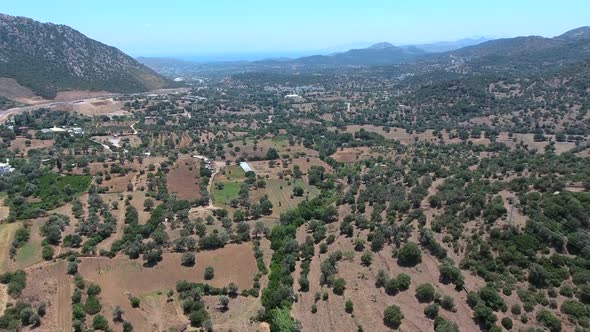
{"points": [[574, 308], [16, 281], [92, 305], [348, 306], [209, 273], [403, 281], [135, 302], [515, 309], [547, 319], [100, 323], [409, 255], [484, 315], [507, 323], [339, 286], [425, 293], [391, 286], [431, 310], [392, 316]]}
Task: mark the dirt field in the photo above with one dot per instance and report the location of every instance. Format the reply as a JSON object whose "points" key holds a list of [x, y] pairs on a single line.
{"points": [[369, 301], [280, 143], [398, 134], [49, 283], [234, 263], [527, 140], [183, 178], [348, 155], [20, 144]]}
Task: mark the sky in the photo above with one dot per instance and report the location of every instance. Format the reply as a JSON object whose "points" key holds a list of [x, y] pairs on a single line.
{"points": [[242, 28]]}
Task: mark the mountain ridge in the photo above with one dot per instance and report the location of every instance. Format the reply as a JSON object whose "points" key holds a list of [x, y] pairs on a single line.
{"points": [[49, 58]]}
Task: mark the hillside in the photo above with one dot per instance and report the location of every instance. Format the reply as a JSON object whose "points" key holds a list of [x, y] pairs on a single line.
{"points": [[375, 55], [48, 58]]}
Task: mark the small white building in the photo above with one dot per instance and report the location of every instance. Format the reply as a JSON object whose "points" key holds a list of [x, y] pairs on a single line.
{"points": [[76, 131], [5, 168], [57, 130], [244, 165]]}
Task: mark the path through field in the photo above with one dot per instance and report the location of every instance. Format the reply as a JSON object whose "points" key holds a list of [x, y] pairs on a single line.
{"points": [[64, 296]]}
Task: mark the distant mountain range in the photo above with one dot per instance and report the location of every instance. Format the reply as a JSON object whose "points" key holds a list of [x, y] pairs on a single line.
{"points": [[383, 53], [48, 58], [445, 46]]}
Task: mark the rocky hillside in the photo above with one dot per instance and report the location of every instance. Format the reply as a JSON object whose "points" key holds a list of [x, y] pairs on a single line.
{"points": [[48, 58]]}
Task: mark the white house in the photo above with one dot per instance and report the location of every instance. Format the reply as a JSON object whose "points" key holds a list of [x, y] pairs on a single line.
{"points": [[5, 168]]}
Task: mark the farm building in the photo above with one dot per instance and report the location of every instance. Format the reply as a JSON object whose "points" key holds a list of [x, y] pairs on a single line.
{"points": [[244, 165]]}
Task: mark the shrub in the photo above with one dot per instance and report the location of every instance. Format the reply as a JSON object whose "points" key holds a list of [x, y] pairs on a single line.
{"points": [[566, 291], [187, 259], [403, 281], [314, 308], [127, 327], [484, 315], [431, 310], [492, 299], [574, 308], [209, 273], [92, 305], [515, 309], [392, 316], [425, 293], [47, 253], [349, 306], [451, 274], [381, 278], [409, 255], [100, 323], [391, 286], [548, 320], [367, 258], [443, 325], [72, 268], [135, 301], [93, 289], [447, 303], [339, 286], [507, 323]]}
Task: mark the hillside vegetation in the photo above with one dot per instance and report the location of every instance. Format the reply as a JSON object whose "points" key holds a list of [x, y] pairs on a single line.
{"points": [[49, 58]]}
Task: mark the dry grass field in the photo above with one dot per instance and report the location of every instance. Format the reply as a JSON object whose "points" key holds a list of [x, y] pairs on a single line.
{"points": [[233, 263], [183, 178]]}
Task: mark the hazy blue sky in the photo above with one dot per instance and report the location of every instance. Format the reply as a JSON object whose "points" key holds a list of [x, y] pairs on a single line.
{"points": [[172, 27]]}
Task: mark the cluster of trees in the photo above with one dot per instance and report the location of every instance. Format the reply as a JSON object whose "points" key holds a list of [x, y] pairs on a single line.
{"points": [[16, 281], [21, 314], [278, 296], [392, 286]]}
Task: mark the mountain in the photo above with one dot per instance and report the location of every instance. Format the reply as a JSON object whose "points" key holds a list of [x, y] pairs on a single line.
{"points": [[530, 52], [445, 46], [380, 46], [383, 53], [576, 34], [48, 58], [375, 55]]}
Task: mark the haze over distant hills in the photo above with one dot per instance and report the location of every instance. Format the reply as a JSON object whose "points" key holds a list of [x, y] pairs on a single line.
{"points": [[504, 53], [47, 58]]}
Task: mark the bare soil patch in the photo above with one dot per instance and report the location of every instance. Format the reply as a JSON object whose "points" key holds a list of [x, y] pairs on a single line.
{"points": [[233, 263], [183, 178]]}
